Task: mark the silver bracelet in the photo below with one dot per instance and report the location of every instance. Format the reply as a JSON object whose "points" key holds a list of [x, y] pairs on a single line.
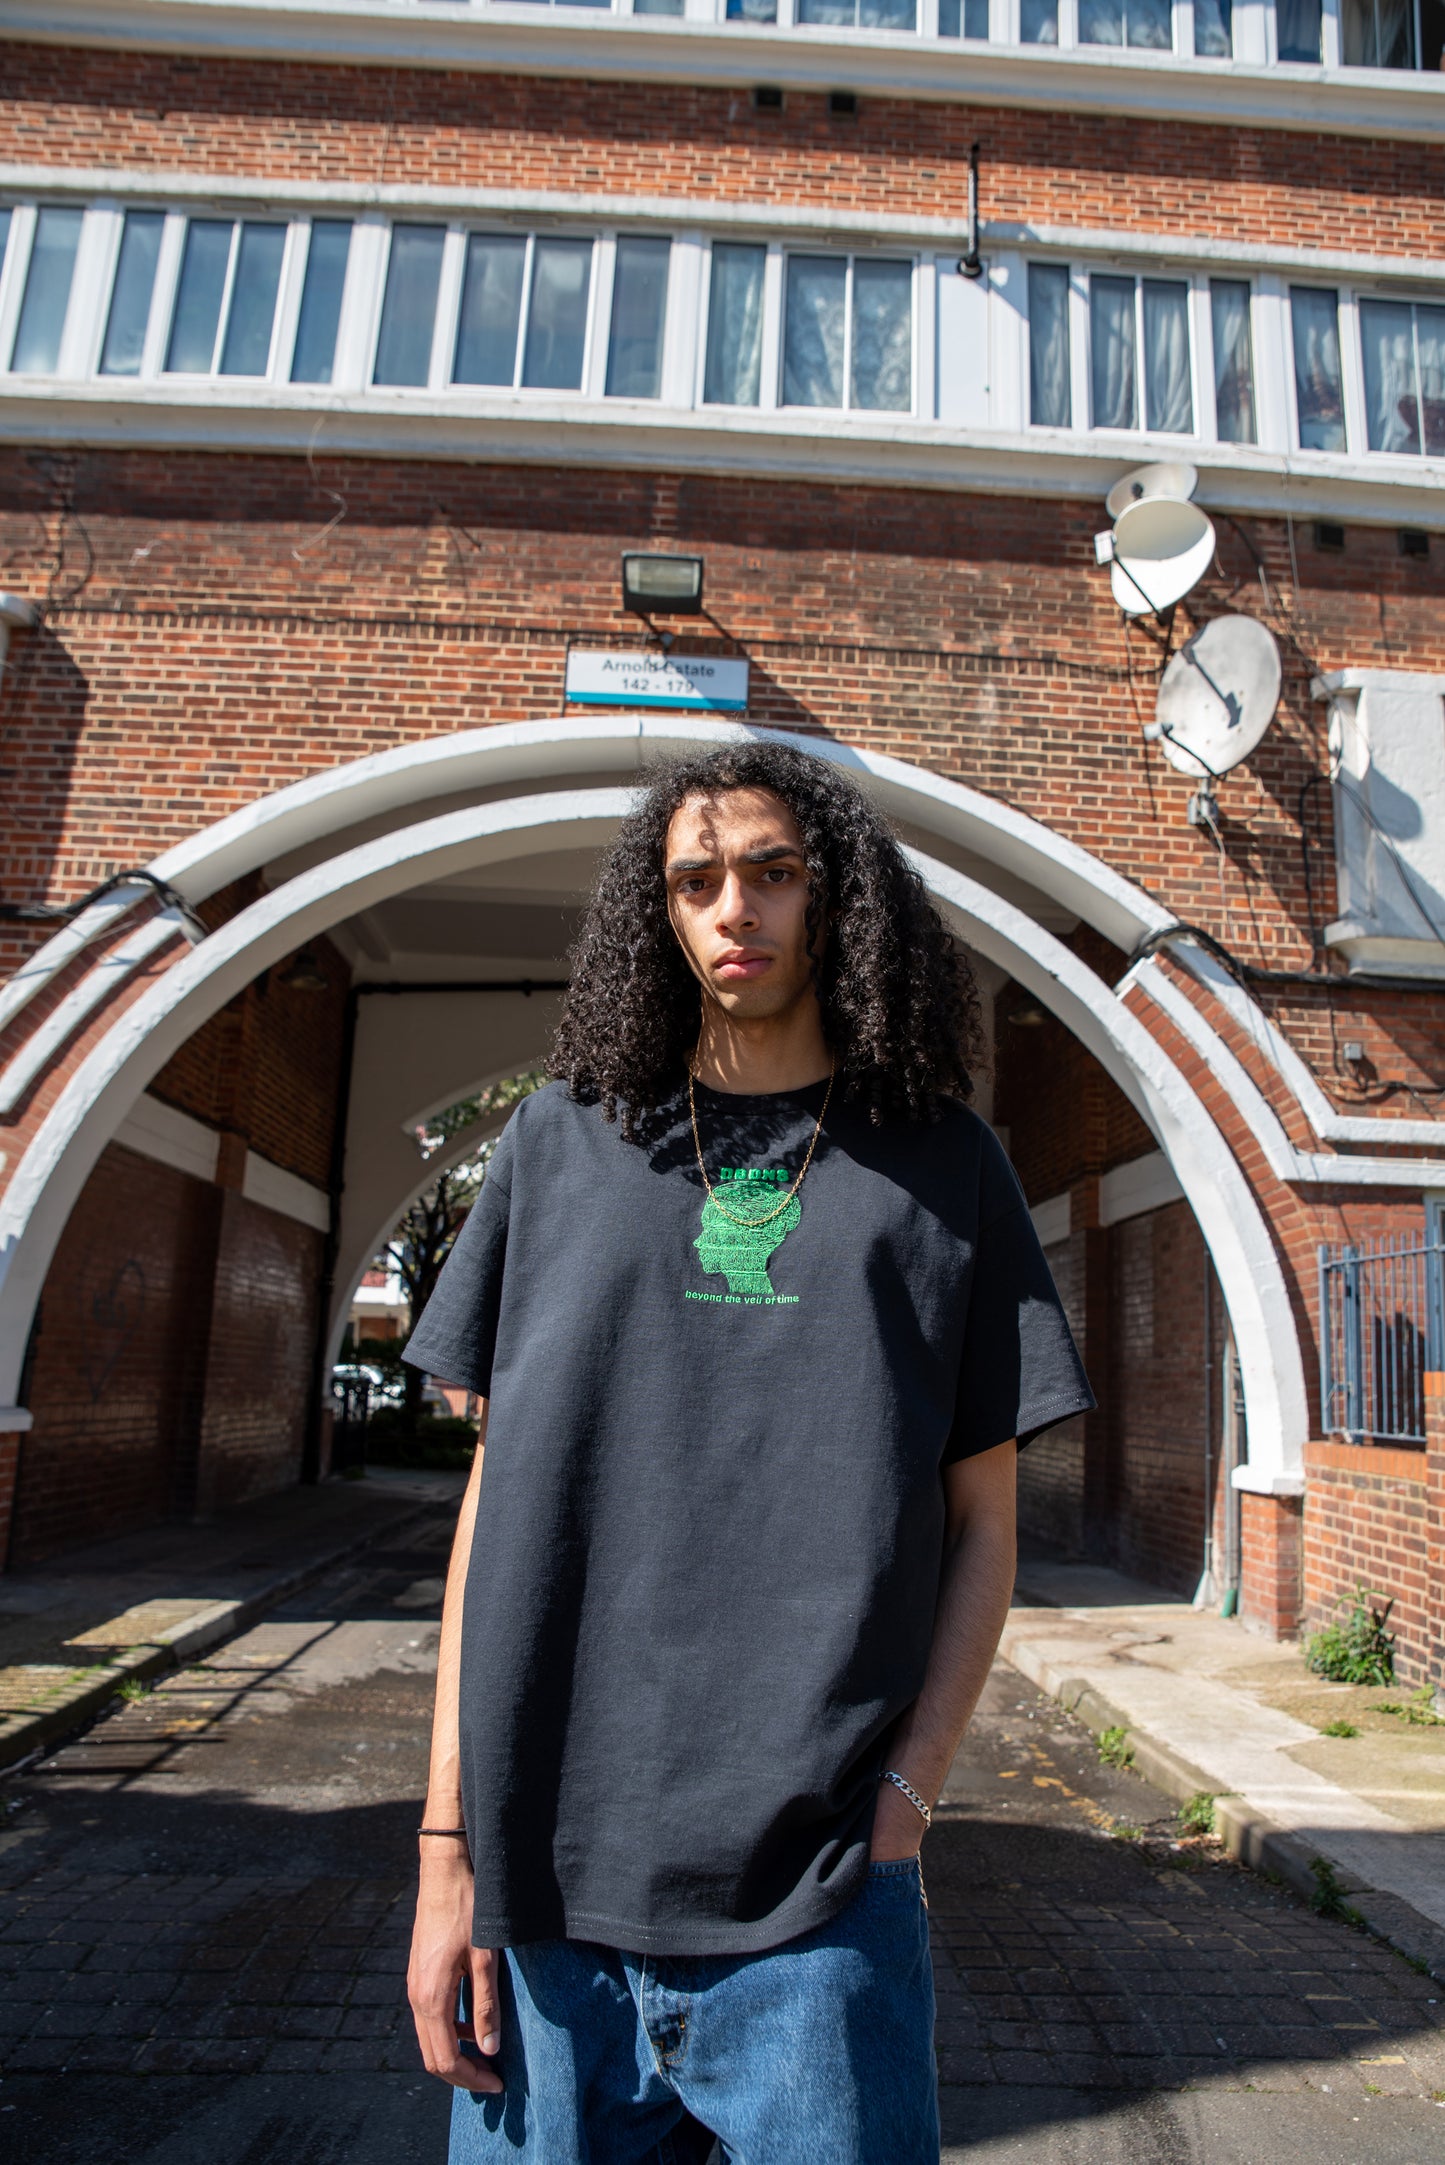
{"points": [[911, 1793]]}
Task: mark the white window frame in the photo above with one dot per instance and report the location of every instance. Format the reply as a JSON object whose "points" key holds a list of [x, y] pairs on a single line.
{"points": [[213, 374], [1357, 420], [850, 256]]}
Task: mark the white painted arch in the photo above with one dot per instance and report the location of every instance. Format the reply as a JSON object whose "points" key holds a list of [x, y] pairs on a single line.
{"points": [[107, 1083]]}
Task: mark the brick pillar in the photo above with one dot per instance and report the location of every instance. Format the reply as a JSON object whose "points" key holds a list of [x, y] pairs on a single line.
{"points": [[1102, 1471], [1271, 1545], [1435, 1534], [9, 1471]]}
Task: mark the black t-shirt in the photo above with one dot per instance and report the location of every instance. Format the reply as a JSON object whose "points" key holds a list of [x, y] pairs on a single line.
{"points": [[709, 1535]]}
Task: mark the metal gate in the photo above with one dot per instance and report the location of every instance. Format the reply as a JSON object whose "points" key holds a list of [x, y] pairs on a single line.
{"points": [[1382, 1326]]}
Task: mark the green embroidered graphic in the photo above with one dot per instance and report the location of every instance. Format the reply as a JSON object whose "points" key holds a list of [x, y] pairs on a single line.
{"points": [[741, 1252]]}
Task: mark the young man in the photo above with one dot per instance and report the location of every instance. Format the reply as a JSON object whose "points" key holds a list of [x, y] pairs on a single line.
{"points": [[759, 1312]]}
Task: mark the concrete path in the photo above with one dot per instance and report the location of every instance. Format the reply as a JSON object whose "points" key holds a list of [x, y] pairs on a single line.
{"points": [[205, 1903], [110, 1618], [1209, 1709]]}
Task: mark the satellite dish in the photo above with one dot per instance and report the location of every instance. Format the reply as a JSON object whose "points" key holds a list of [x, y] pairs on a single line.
{"points": [[1169, 478], [1217, 697], [1163, 545]]}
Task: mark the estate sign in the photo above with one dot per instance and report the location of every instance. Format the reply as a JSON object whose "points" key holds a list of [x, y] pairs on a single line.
{"points": [[599, 677]]}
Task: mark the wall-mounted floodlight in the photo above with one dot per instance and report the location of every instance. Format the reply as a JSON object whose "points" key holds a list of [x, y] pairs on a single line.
{"points": [[662, 585]]}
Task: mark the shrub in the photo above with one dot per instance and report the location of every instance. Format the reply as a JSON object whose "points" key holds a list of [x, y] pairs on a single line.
{"points": [[1358, 1649], [1197, 1816]]}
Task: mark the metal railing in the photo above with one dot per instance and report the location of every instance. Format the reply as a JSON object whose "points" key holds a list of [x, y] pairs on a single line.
{"points": [[1382, 1327]]}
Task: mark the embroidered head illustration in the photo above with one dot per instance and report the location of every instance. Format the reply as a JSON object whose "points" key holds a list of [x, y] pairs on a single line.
{"points": [[740, 1252]]}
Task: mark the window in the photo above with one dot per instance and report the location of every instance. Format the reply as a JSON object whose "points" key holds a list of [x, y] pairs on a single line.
{"points": [[848, 334], [657, 7], [733, 364], [1319, 391], [523, 315], [328, 249], [130, 295], [1050, 401], [1118, 327], [1377, 33], [1213, 29], [963, 19], [1297, 27], [752, 11], [226, 298], [1233, 361], [1146, 23], [639, 314], [1039, 22], [858, 14], [36, 351], [409, 306], [1403, 347], [557, 315]]}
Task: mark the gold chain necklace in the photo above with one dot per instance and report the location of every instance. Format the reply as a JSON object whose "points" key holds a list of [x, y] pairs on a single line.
{"points": [[782, 1206]]}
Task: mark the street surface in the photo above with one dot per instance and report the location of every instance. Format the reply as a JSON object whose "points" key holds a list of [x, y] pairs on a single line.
{"points": [[206, 1912]]}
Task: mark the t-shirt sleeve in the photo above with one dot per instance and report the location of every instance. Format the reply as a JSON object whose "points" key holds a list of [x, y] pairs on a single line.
{"points": [[457, 1334], [1020, 1372]]}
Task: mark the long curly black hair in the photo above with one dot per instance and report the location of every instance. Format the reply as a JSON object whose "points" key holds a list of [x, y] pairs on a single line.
{"points": [[899, 1004]]}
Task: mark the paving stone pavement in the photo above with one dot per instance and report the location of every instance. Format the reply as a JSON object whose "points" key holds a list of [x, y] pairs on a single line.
{"points": [[215, 1881]]}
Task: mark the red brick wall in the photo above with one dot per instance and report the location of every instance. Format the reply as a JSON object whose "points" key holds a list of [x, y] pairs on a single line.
{"points": [[1365, 1524], [171, 1361], [1051, 1470], [119, 1356], [1159, 1403], [461, 130], [1271, 1530], [1068, 1120], [267, 1067], [263, 1340]]}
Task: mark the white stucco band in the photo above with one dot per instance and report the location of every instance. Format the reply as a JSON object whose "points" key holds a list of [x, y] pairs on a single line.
{"points": [[108, 1082]]}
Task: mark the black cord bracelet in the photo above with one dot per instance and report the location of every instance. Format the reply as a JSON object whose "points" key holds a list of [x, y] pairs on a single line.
{"points": [[455, 1833]]}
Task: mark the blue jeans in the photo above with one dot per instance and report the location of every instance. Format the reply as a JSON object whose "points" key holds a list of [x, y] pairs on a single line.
{"points": [[818, 2052]]}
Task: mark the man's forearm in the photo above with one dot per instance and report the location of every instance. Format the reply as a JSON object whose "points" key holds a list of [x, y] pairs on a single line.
{"points": [[444, 1780], [974, 1593]]}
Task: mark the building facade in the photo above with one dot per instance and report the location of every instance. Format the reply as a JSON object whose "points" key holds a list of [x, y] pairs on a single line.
{"points": [[345, 349]]}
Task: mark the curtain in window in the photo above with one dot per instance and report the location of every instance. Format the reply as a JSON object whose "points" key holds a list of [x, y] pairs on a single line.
{"points": [[557, 315], [639, 310], [1111, 353], [1377, 33], [883, 337], [1392, 410], [247, 347], [752, 11], [1101, 22], [1430, 343], [1213, 29], [1319, 392], [733, 368], [813, 331], [1233, 361], [1039, 22], [1150, 24], [491, 310], [886, 14], [837, 12], [130, 300], [199, 293], [1168, 382], [963, 18], [1298, 26], [314, 354], [47, 292], [1049, 388], [409, 305], [656, 7]]}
